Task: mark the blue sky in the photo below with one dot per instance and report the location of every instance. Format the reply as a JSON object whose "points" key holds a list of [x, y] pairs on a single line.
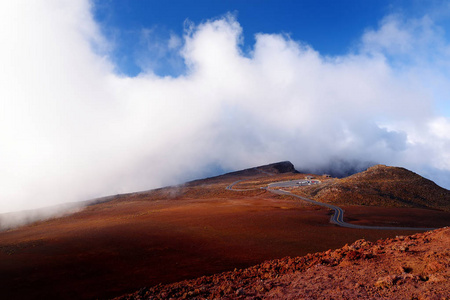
{"points": [[329, 26], [333, 28]]}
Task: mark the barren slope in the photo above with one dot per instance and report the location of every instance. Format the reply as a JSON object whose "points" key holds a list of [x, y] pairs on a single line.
{"points": [[382, 186], [412, 267], [177, 233]]}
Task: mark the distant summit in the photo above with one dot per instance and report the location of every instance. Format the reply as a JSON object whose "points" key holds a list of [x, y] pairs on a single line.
{"points": [[275, 168], [265, 170], [386, 186]]}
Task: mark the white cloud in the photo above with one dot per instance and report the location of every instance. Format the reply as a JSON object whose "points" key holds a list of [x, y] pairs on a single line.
{"points": [[389, 37], [174, 41], [72, 129]]}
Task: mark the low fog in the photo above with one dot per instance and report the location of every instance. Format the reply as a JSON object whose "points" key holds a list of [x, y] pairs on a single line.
{"points": [[73, 128]]}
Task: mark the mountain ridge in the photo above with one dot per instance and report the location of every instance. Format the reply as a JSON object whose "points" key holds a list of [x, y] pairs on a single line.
{"points": [[382, 185], [121, 243], [268, 169]]}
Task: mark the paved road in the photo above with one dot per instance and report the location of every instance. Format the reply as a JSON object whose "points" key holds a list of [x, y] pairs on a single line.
{"points": [[230, 187], [338, 215], [293, 183]]}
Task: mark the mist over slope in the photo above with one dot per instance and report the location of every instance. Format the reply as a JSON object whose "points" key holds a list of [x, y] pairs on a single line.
{"points": [[181, 232], [73, 129]]}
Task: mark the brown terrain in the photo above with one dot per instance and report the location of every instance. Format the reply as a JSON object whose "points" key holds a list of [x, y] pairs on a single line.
{"points": [[404, 267], [194, 230], [382, 186]]}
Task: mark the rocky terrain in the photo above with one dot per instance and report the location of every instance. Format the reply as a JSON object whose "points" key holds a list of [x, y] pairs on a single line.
{"points": [[119, 244], [382, 186], [404, 267]]}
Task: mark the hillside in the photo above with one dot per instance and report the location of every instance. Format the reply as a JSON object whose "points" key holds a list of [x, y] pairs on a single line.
{"points": [[265, 170], [121, 243], [411, 267], [382, 186]]}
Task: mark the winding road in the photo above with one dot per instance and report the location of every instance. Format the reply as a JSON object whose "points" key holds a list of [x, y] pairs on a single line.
{"points": [[338, 215]]}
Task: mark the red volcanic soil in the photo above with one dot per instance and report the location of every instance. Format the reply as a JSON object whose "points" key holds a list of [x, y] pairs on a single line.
{"points": [[412, 267], [403, 217], [168, 235]]}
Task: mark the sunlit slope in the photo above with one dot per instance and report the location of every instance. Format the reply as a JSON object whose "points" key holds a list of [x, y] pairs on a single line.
{"points": [[383, 186]]}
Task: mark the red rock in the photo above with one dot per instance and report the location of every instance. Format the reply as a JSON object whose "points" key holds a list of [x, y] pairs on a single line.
{"points": [[346, 273]]}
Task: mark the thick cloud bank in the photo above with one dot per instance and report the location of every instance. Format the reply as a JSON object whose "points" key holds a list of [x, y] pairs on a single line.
{"points": [[72, 129]]}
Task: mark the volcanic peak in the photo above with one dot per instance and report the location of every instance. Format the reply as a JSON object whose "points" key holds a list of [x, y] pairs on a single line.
{"points": [[274, 168]]}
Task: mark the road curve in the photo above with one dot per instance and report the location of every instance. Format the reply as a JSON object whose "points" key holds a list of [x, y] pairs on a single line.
{"points": [[338, 215], [230, 187]]}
